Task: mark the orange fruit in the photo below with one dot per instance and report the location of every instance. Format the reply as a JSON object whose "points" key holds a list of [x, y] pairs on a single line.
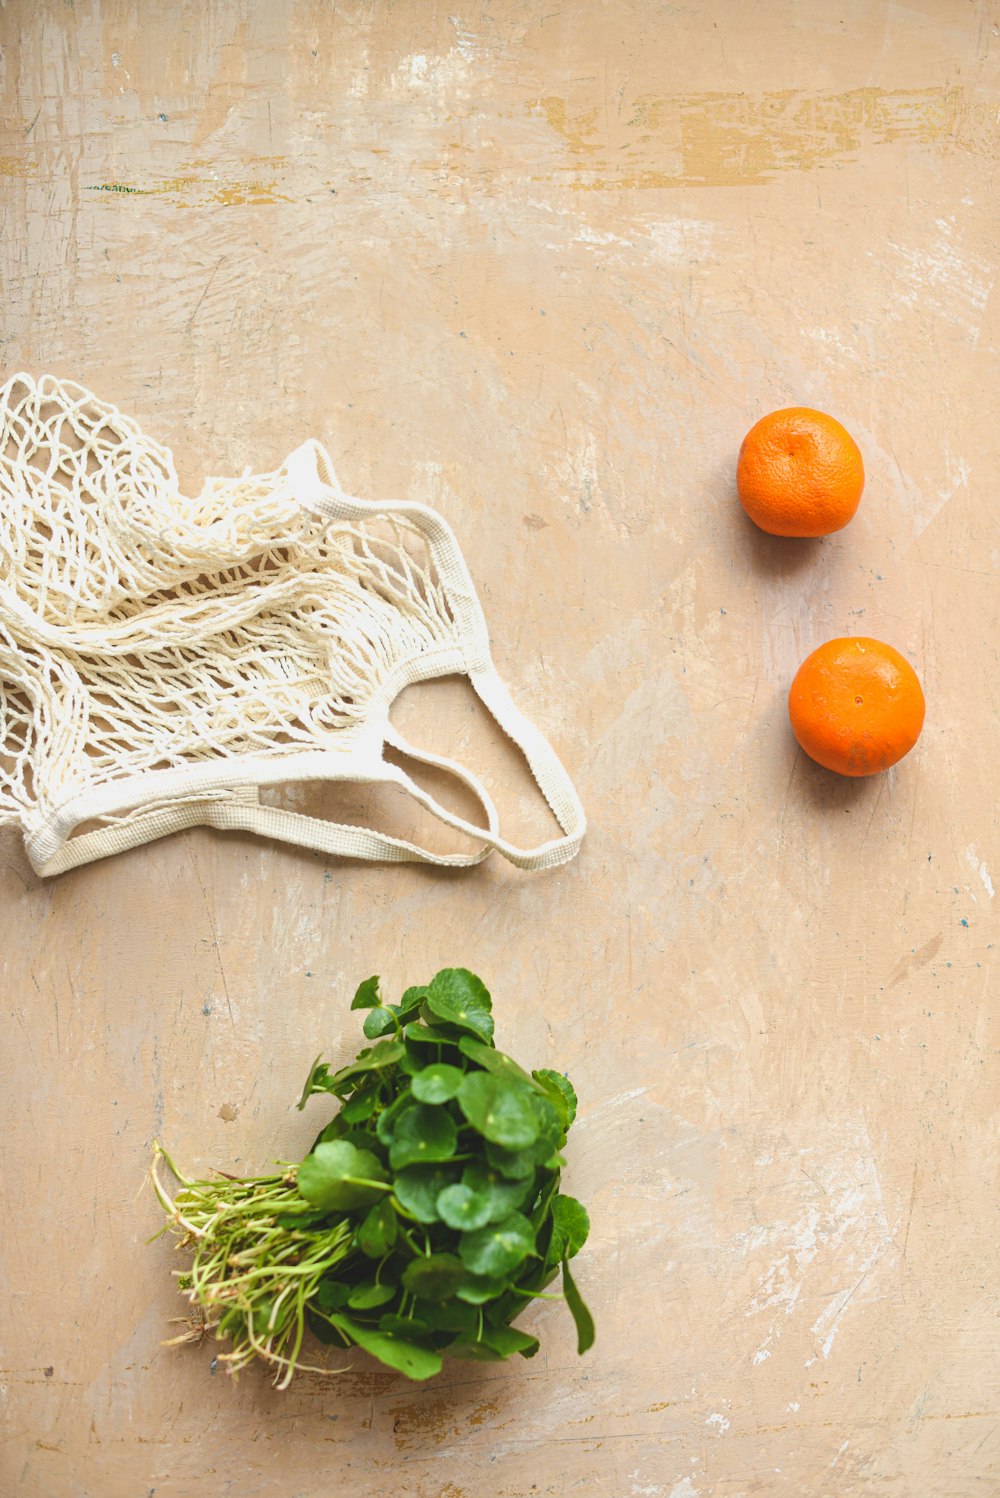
{"points": [[799, 473], [856, 706]]}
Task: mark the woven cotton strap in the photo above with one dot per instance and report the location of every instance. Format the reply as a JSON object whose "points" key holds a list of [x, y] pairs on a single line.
{"points": [[315, 483]]}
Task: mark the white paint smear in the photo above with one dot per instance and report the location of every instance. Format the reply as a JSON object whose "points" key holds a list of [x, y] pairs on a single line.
{"points": [[684, 1489], [841, 1228], [978, 865], [946, 278]]}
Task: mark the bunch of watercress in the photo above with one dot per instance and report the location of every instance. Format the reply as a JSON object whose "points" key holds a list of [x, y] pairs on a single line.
{"points": [[423, 1221]]}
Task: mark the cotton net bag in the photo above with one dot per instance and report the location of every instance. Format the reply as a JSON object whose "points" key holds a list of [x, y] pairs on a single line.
{"points": [[163, 658]]}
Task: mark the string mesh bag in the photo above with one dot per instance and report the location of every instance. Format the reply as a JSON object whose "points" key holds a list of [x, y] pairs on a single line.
{"points": [[163, 658]]}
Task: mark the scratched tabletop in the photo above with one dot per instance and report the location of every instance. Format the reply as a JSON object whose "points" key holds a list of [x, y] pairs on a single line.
{"points": [[541, 265]]}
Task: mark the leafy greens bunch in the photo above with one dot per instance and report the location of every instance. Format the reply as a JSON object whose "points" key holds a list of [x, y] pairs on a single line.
{"points": [[423, 1221]]}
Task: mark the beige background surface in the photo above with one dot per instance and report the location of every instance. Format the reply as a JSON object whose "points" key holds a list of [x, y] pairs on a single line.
{"points": [[542, 265]]}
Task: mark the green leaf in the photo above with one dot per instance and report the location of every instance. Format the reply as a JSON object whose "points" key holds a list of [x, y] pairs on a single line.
{"points": [[506, 1340], [479, 1289], [387, 1118], [498, 1249], [464, 1209], [418, 1187], [374, 1058], [367, 996], [504, 1196], [560, 1092], [494, 1344], [378, 1022], [570, 1226], [317, 1081], [377, 1232], [436, 1277], [364, 1297], [437, 1083], [492, 1060], [550, 1129], [460, 998], [519, 1164], [447, 1316], [403, 1326], [411, 1000], [516, 1165], [331, 1295], [335, 1129], [322, 1330], [546, 1185], [360, 1137], [474, 1352], [406, 1357], [430, 1035], [500, 1110], [581, 1315], [338, 1176], [422, 1133], [361, 1106]]}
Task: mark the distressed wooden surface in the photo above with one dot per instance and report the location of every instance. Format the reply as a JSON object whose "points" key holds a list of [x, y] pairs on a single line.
{"points": [[542, 266]]}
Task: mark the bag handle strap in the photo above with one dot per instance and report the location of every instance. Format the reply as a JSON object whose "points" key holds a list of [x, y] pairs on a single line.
{"points": [[314, 483], [241, 810]]}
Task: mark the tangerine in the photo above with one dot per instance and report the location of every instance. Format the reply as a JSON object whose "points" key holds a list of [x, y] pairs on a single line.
{"points": [[799, 473], [856, 706]]}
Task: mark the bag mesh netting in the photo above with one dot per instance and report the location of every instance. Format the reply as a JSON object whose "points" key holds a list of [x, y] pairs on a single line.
{"points": [[163, 657]]}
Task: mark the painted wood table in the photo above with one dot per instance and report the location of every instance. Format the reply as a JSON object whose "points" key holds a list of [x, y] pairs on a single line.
{"points": [[541, 266]]}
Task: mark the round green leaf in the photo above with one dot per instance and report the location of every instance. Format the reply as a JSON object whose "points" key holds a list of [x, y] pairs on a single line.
{"points": [[437, 1084], [322, 1330], [420, 1134], [478, 1290], [378, 1022], [503, 1195], [395, 1352], [457, 997], [377, 1233], [429, 1034], [498, 1249], [411, 1000], [338, 1176], [403, 1326], [364, 1297], [560, 1092], [374, 1058], [550, 1129], [463, 1209], [501, 1110], [387, 1118], [516, 1165], [492, 1060], [335, 1129], [435, 1278], [502, 1340], [331, 1295], [360, 1106], [318, 1080], [474, 1352], [570, 1226], [448, 1315], [418, 1187], [367, 996]]}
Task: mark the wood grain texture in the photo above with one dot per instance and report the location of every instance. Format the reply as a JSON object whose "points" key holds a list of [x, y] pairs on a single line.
{"points": [[541, 266]]}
